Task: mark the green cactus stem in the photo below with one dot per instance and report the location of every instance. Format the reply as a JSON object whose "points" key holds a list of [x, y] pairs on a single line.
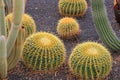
{"points": [[90, 61], [3, 57], [8, 6], [68, 28], [16, 51], [18, 11], [27, 28], [74, 8], [2, 19], [43, 51], [103, 26]]}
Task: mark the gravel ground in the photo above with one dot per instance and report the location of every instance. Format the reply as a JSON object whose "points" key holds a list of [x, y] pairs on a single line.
{"points": [[46, 15]]}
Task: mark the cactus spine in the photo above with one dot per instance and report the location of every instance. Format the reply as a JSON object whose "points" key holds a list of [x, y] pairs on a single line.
{"points": [[72, 7], [68, 28], [90, 61], [43, 51], [8, 43], [103, 26]]}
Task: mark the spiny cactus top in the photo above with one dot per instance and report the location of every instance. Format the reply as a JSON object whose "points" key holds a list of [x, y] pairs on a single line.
{"points": [[90, 61], [72, 7], [68, 28], [27, 22], [43, 51]]}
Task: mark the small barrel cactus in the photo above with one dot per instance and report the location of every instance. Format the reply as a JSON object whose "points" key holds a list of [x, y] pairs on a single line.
{"points": [[27, 23], [90, 61], [43, 51], [68, 28], [73, 7]]}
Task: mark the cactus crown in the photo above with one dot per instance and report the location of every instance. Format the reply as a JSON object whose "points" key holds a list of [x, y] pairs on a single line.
{"points": [[92, 49], [43, 51], [90, 61], [44, 39], [72, 1], [67, 20]]}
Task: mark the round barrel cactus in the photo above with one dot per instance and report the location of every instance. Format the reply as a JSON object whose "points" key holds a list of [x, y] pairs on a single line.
{"points": [[28, 24], [72, 7], [90, 61], [68, 28], [43, 51]]}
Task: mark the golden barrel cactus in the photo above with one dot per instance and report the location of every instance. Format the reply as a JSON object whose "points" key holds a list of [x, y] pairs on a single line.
{"points": [[90, 61], [72, 7], [68, 28], [43, 51], [28, 24]]}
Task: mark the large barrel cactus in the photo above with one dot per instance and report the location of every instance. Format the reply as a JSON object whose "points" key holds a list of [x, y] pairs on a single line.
{"points": [[90, 61], [43, 51], [72, 7], [68, 28]]}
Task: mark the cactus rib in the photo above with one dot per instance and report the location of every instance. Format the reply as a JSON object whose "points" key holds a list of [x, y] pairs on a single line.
{"points": [[2, 19], [103, 25], [8, 6], [3, 58], [16, 51], [73, 8]]}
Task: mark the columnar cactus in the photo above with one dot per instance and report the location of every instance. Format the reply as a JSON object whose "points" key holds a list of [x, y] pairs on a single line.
{"points": [[43, 51], [28, 27], [68, 28], [7, 42], [72, 7], [90, 61], [103, 26]]}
